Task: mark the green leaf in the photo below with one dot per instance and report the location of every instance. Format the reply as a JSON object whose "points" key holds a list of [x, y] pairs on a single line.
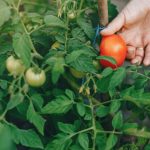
{"points": [[60, 105], [37, 100], [58, 69], [136, 96], [102, 111], [106, 72], [23, 107], [74, 55], [88, 115], [22, 48], [137, 133], [70, 94], [6, 142], [60, 142], [35, 17], [5, 12], [28, 138], [117, 78], [115, 105], [81, 60], [54, 21], [3, 63], [4, 84], [101, 141], [107, 58], [103, 84], [81, 109], [75, 147], [130, 125], [35, 118], [66, 128], [111, 142], [78, 34], [14, 101], [117, 121], [83, 140], [147, 147], [86, 27], [140, 82]]}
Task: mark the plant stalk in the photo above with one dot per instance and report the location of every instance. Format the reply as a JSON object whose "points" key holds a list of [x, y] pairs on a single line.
{"points": [[103, 12]]}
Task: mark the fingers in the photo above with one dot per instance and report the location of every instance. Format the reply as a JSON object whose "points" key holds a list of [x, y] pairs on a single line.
{"points": [[115, 25], [139, 54], [146, 61], [130, 52]]}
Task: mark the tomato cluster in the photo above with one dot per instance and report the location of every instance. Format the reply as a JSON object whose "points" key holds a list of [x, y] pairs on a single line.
{"points": [[34, 77], [115, 47]]}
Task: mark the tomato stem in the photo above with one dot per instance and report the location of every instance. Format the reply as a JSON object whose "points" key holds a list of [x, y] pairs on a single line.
{"points": [[26, 32]]}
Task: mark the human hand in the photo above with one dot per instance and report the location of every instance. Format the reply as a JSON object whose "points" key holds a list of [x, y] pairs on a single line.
{"points": [[133, 24]]}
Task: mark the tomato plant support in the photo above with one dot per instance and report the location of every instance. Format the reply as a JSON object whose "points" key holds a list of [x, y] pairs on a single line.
{"points": [[103, 12]]}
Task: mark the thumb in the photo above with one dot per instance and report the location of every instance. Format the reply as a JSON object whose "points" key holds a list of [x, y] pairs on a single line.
{"points": [[115, 25]]}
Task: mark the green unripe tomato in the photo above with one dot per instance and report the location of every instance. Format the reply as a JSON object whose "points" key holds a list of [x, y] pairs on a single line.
{"points": [[77, 74], [71, 15], [35, 78], [14, 66]]}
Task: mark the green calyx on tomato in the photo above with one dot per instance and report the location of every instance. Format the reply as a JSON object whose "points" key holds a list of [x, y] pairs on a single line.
{"points": [[34, 77], [115, 47], [14, 66], [77, 74]]}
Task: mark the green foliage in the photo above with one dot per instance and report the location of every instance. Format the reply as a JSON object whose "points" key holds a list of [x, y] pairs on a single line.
{"points": [[106, 109]]}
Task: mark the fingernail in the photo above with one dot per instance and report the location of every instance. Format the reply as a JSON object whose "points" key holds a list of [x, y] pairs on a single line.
{"points": [[131, 50]]}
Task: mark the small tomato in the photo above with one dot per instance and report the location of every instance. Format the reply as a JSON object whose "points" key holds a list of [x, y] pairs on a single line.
{"points": [[71, 15], [14, 66], [76, 73], [35, 78], [115, 47]]}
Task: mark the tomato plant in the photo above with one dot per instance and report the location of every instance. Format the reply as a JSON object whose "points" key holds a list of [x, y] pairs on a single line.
{"points": [[54, 93], [115, 47]]}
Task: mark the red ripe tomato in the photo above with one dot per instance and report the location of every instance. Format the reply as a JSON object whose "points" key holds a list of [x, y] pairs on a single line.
{"points": [[115, 47]]}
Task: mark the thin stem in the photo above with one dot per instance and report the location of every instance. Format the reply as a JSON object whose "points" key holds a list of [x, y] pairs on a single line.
{"points": [[19, 2], [81, 4], [93, 124], [107, 102], [66, 35], [140, 74], [109, 132], [38, 28], [79, 132]]}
